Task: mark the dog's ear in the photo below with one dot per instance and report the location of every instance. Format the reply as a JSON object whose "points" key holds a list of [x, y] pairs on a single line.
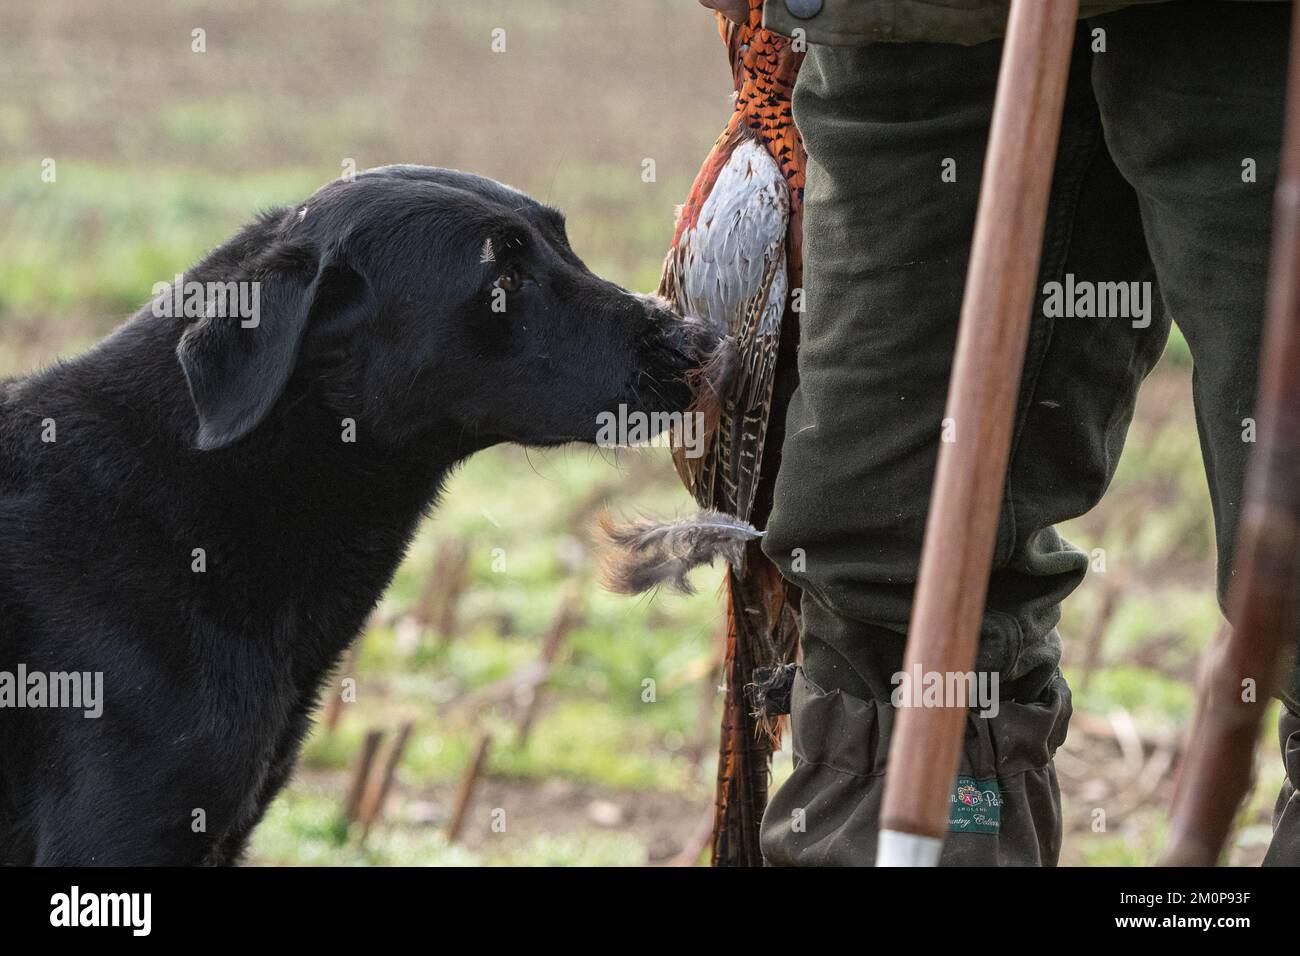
{"points": [[238, 367]]}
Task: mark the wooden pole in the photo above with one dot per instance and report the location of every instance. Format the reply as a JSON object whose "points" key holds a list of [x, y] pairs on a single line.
{"points": [[566, 618], [381, 781], [437, 607], [465, 792], [361, 774], [1263, 603], [960, 532]]}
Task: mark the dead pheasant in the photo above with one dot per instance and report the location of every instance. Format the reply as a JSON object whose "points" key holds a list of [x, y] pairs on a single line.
{"points": [[734, 262]]}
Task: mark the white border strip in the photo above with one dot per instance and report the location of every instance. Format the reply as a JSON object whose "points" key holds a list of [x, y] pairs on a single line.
{"points": [[907, 849]]}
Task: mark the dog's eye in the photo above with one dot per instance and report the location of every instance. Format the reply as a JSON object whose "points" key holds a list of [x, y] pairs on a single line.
{"points": [[509, 281]]}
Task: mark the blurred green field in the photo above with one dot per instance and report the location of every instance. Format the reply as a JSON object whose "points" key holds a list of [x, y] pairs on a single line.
{"points": [[161, 153]]}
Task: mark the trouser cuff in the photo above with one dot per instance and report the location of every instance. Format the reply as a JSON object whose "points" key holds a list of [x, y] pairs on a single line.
{"points": [[1006, 805]]}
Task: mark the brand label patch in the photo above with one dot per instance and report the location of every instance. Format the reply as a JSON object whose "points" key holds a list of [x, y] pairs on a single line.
{"points": [[976, 806]]}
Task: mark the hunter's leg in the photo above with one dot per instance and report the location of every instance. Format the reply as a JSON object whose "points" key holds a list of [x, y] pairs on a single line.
{"points": [[896, 135], [1191, 100]]}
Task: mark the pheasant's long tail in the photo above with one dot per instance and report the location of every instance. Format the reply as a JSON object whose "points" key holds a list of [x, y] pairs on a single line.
{"points": [[743, 755], [762, 632]]}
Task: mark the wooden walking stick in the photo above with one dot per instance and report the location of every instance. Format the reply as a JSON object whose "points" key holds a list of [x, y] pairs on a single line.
{"points": [[960, 532], [1263, 600]]}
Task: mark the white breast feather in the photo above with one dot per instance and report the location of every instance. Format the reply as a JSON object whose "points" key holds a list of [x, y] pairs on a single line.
{"points": [[742, 226]]}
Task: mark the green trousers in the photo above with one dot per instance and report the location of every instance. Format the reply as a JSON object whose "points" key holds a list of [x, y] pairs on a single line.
{"points": [[1164, 181]]}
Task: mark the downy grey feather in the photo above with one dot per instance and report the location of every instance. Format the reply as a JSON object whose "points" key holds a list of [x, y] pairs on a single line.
{"points": [[646, 554]]}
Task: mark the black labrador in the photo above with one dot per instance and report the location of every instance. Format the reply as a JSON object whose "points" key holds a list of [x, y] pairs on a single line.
{"points": [[198, 515]]}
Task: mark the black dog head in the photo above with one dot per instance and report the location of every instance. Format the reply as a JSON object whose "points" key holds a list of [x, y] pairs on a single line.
{"points": [[420, 300]]}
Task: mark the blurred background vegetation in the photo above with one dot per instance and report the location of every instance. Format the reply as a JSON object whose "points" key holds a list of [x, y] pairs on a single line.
{"points": [[162, 152]]}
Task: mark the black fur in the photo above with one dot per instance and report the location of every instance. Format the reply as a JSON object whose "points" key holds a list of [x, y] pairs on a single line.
{"points": [[177, 434]]}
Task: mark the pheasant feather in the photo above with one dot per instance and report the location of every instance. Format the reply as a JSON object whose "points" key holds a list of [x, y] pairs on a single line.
{"points": [[647, 554]]}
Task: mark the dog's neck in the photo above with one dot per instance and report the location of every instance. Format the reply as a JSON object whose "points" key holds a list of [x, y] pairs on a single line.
{"points": [[306, 497]]}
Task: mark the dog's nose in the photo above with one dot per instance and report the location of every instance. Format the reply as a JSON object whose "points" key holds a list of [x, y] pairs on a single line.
{"points": [[691, 337], [697, 341]]}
